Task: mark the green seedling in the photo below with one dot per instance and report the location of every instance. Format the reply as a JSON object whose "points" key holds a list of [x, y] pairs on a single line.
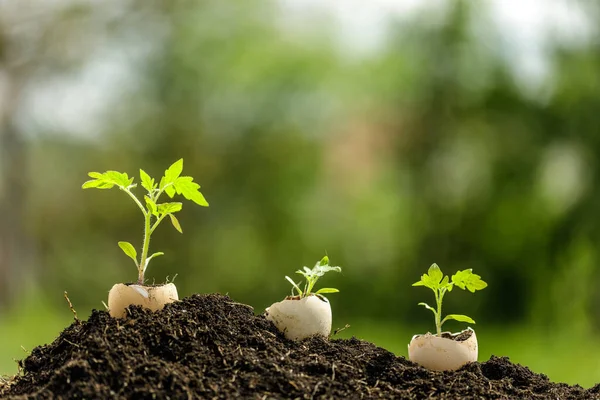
{"points": [[154, 212], [435, 280], [312, 276]]}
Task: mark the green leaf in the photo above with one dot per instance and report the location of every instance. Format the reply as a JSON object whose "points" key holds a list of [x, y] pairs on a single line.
{"points": [[157, 254], [445, 283], [420, 283], [294, 284], [326, 290], [129, 250], [324, 261], [147, 181], [458, 317], [427, 306], [175, 223], [186, 186], [99, 184], [118, 178], [170, 191], [468, 280], [151, 205], [173, 172], [435, 274], [160, 253], [168, 208], [107, 180]]}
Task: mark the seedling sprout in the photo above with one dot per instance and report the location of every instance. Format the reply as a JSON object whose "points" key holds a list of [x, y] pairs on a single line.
{"points": [[154, 212], [312, 276], [435, 280]]}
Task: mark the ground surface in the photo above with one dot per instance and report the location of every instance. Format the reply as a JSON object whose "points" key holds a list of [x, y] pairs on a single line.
{"points": [[207, 346]]}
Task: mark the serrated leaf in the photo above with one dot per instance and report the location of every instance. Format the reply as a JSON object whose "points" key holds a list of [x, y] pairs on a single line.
{"points": [[468, 280], [186, 186], [445, 282], [435, 274], [170, 191], [461, 318], [175, 223], [118, 178], [168, 208], [327, 290], [147, 181], [151, 205], [98, 184], [129, 250], [173, 172], [320, 270]]}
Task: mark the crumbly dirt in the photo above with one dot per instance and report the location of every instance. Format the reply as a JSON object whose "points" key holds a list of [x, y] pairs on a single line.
{"points": [[209, 347]]}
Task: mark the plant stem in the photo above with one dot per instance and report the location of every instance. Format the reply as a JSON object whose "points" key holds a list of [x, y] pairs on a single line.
{"points": [[438, 315], [145, 246]]}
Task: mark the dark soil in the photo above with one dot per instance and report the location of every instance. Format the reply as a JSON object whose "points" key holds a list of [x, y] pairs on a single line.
{"points": [[207, 346]]}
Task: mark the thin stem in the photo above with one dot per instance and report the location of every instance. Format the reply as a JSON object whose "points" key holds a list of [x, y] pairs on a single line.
{"points": [[145, 247], [438, 315], [126, 190], [158, 221], [160, 191]]}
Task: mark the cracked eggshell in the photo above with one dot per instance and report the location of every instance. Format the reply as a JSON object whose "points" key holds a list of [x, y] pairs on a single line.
{"points": [[443, 354], [122, 296], [299, 318]]}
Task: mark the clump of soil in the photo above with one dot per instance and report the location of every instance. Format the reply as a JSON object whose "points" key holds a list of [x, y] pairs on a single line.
{"points": [[207, 346]]}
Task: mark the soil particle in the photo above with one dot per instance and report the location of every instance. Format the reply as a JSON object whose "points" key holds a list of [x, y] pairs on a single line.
{"points": [[207, 346]]}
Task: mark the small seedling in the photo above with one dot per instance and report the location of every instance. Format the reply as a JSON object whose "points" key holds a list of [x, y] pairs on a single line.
{"points": [[435, 280], [312, 276], [154, 212]]}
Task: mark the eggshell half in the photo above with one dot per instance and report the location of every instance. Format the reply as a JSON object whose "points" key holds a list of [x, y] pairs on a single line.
{"points": [[443, 354], [301, 318], [122, 296]]}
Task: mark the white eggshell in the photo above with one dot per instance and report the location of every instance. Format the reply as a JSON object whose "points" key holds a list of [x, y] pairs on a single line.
{"points": [[153, 297], [442, 354], [301, 318]]}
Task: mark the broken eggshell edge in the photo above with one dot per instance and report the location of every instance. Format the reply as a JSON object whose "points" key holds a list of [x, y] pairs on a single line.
{"points": [[154, 298], [442, 354], [299, 318]]}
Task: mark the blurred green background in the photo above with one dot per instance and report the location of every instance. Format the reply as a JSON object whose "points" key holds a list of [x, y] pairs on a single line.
{"points": [[389, 135]]}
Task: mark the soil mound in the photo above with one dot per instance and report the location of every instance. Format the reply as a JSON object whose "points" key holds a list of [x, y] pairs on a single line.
{"points": [[208, 346]]}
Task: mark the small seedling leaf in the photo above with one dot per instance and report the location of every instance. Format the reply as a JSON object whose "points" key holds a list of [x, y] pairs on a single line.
{"points": [[427, 306], [175, 223], [129, 250], [435, 275], [458, 317], [157, 254], [186, 186], [294, 284], [151, 205], [170, 191], [327, 290], [168, 208], [147, 181], [97, 183], [173, 172], [118, 178], [160, 253]]}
